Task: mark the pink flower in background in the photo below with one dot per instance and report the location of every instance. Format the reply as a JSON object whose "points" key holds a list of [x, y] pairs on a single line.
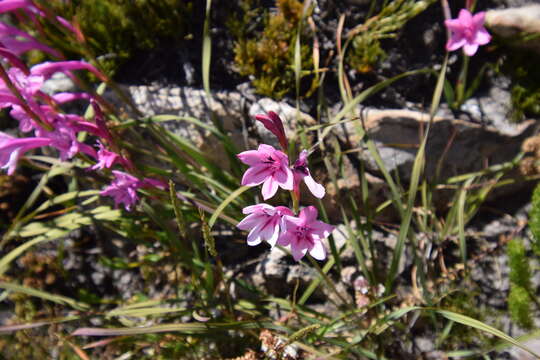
{"points": [[123, 189], [264, 222], [12, 148], [467, 31], [269, 167], [10, 5], [304, 234], [273, 123], [301, 172], [106, 158]]}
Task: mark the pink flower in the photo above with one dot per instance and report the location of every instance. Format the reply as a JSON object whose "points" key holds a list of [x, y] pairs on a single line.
{"points": [[467, 31], [11, 149], [106, 158], [269, 167], [273, 123], [123, 189], [304, 234], [264, 221], [301, 172], [10, 5]]}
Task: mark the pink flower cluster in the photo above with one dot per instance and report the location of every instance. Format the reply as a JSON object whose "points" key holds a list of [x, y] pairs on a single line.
{"points": [[39, 114], [278, 225]]}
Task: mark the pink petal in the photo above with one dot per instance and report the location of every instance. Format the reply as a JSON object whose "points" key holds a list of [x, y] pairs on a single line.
{"points": [[478, 19], [454, 25], [269, 188], [297, 252], [455, 42], [47, 69], [309, 214], [470, 49], [465, 17], [254, 237], [321, 229], [318, 251], [250, 157], [482, 37], [256, 175], [316, 189], [273, 239], [10, 5], [285, 239], [255, 208]]}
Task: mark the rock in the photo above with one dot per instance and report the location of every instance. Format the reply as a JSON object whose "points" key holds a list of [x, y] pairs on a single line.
{"points": [[397, 134], [59, 82], [225, 106], [509, 23]]}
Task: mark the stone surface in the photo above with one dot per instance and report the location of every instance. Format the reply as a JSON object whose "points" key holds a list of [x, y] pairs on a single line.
{"points": [[508, 23], [397, 134]]}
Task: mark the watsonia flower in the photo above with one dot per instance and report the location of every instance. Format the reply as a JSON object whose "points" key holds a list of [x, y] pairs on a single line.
{"points": [[264, 222], [467, 31], [269, 167], [304, 234]]}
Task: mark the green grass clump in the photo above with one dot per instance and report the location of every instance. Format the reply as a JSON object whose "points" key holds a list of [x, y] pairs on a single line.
{"points": [[268, 57], [534, 219], [519, 299], [116, 29], [366, 49]]}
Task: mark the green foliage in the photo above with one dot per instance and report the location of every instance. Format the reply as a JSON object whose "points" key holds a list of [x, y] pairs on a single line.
{"points": [[519, 304], [115, 29], [525, 87], [366, 49], [520, 273], [268, 57], [519, 300], [534, 219]]}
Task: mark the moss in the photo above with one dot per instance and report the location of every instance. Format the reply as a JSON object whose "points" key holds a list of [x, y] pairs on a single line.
{"points": [[534, 219], [519, 299], [519, 66], [115, 29], [268, 57], [366, 49]]}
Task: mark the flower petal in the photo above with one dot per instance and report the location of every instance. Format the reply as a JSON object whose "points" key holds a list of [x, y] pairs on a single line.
{"points": [[455, 42], [316, 189], [250, 157], [269, 188], [482, 37], [298, 252], [318, 251], [470, 49], [256, 175]]}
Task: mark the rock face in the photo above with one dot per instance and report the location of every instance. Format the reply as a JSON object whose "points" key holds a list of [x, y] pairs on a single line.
{"points": [[508, 23], [458, 146]]}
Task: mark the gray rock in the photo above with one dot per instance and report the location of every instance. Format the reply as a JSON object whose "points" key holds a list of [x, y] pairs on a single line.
{"points": [[508, 23], [59, 82], [397, 133]]}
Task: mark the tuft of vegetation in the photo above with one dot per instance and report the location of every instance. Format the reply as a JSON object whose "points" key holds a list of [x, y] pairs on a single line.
{"points": [[268, 57], [366, 38], [115, 29], [519, 300], [534, 219]]}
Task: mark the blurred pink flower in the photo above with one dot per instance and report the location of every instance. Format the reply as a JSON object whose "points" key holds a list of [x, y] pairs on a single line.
{"points": [[301, 172], [264, 222], [467, 31], [269, 167], [12, 148], [106, 158], [304, 234], [10, 5], [123, 189], [273, 123]]}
